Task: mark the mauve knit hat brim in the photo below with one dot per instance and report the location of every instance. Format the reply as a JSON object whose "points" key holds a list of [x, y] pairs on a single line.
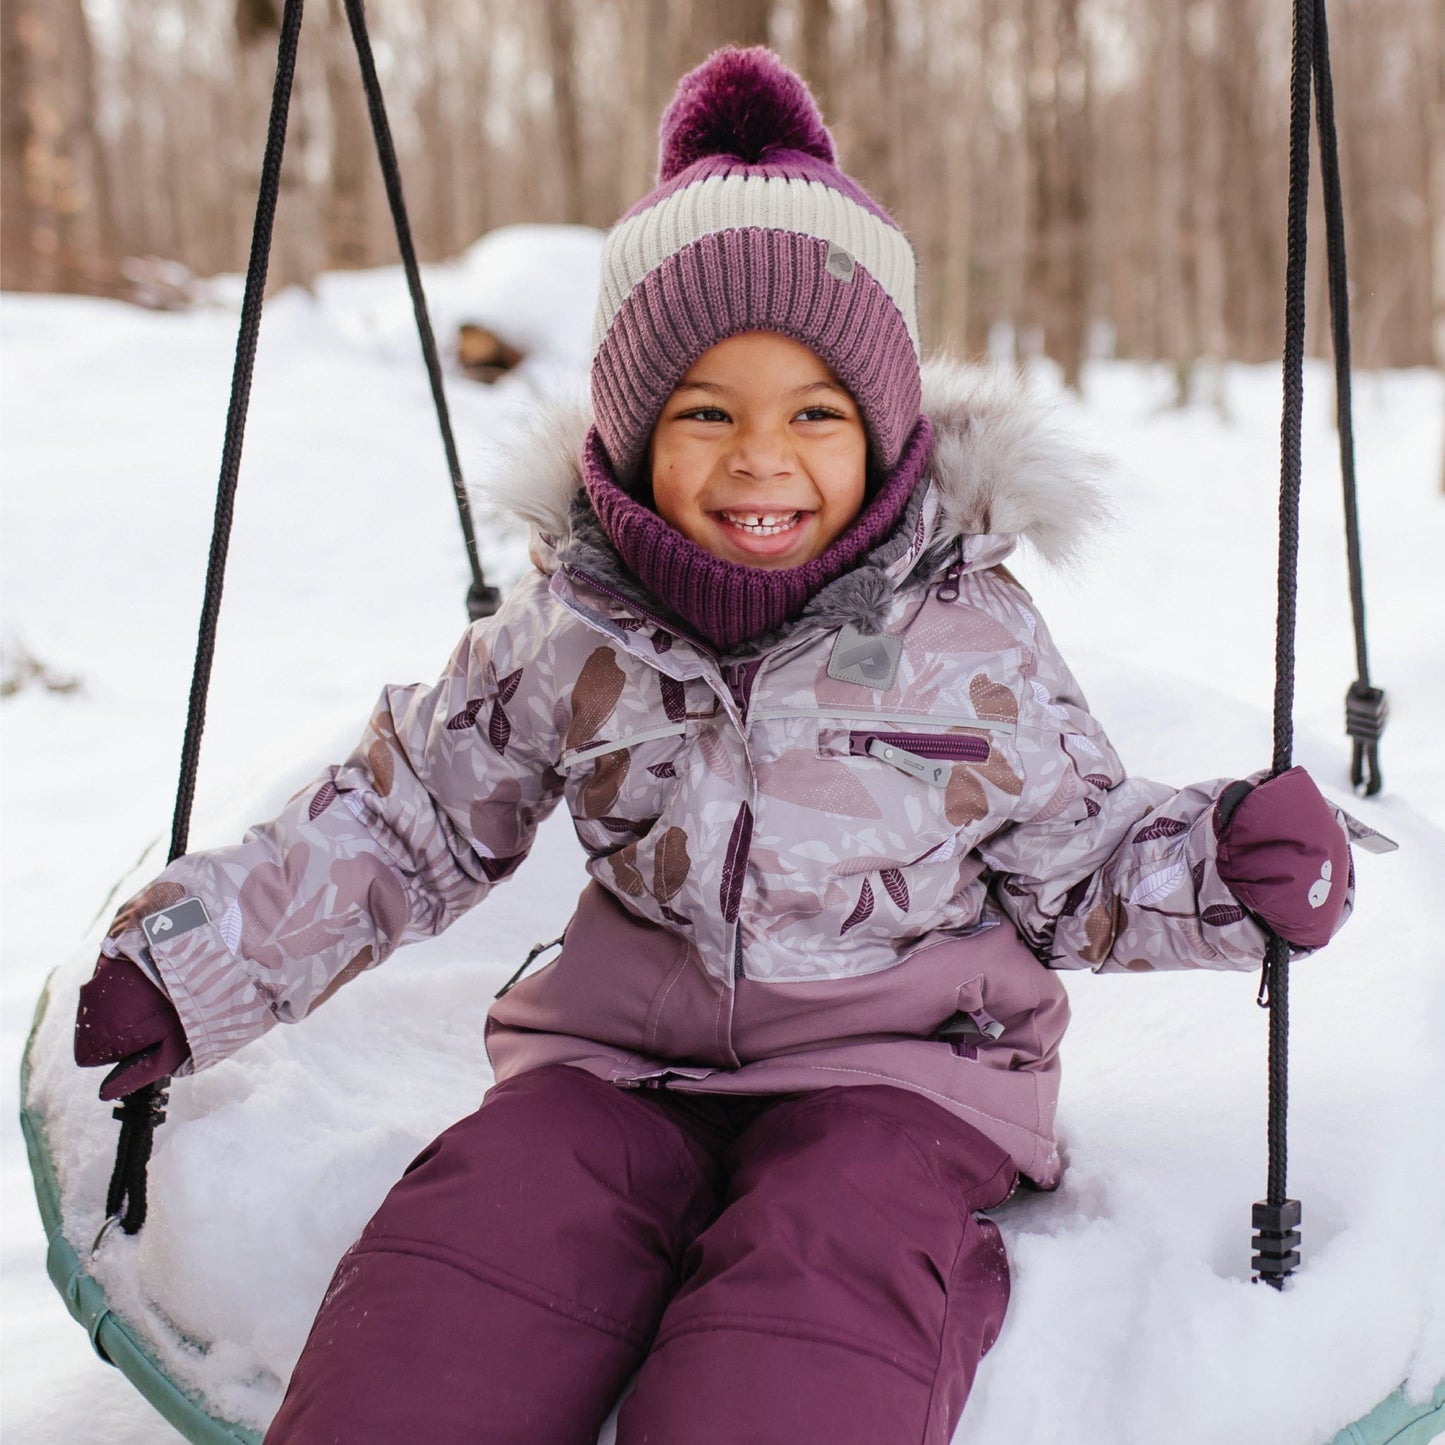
{"points": [[752, 228]]}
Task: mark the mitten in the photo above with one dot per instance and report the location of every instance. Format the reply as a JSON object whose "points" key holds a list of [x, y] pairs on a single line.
{"points": [[1285, 856], [126, 1020]]}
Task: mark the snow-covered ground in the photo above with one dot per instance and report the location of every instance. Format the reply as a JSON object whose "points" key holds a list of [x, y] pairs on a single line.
{"points": [[1132, 1318]]}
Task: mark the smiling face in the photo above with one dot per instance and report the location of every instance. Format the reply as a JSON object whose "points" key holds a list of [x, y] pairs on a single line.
{"points": [[759, 455]]}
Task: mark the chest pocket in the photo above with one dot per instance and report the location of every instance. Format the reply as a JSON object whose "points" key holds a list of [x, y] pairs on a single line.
{"points": [[617, 788], [948, 779]]}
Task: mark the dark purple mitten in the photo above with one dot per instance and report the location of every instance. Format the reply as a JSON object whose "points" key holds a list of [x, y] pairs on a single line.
{"points": [[126, 1020], [1284, 855]]}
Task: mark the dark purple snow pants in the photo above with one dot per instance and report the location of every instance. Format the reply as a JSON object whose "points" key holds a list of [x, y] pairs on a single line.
{"points": [[797, 1269]]}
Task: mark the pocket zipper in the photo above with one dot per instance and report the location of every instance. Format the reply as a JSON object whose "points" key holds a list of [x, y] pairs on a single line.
{"points": [[920, 755]]}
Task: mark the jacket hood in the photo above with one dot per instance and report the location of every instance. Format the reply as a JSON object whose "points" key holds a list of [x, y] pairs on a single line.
{"points": [[1001, 467]]}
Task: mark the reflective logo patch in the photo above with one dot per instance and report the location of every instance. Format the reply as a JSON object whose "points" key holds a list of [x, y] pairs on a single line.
{"points": [[868, 661], [171, 922], [839, 264]]}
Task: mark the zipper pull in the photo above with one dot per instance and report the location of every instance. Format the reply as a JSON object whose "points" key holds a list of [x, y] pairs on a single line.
{"points": [[928, 770], [948, 589]]}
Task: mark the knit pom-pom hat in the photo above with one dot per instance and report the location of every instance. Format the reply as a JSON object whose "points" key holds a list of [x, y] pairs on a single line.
{"points": [[752, 227]]}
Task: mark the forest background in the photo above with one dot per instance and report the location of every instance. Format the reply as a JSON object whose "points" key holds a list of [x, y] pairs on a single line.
{"points": [[1080, 177]]}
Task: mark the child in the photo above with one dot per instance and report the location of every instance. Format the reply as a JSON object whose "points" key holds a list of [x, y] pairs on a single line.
{"points": [[822, 753]]}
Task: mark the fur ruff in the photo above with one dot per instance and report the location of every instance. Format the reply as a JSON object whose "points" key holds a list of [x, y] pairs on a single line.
{"points": [[1000, 464]]}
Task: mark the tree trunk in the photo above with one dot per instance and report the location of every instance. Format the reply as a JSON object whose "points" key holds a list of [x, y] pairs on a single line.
{"points": [[296, 251], [59, 231], [344, 204], [815, 52]]}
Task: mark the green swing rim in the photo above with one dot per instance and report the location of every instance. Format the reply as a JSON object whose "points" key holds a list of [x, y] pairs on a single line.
{"points": [[1394, 1421], [115, 1340]]}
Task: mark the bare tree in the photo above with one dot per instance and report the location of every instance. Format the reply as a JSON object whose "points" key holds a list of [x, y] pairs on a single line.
{"points": [[352, 162], [59, 228]]}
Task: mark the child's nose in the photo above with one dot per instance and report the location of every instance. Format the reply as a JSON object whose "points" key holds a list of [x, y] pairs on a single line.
{"points": [[762, 453]]}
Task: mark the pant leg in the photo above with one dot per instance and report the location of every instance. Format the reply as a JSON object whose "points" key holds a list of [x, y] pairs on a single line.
{"points": [[846, 1291], [512, 1280]]}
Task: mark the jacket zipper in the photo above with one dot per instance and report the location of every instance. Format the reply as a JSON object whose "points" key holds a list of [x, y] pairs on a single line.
{"points": [[925, 758], [631, 603], [948, 588], [954, 747]]}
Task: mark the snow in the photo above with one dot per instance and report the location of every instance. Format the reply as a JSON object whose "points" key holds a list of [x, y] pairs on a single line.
{"points": [[1132, 1317]]}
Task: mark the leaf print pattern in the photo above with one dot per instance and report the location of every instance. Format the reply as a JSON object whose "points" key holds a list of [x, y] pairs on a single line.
{"points": [[674, 699], [230, 926], [1101, 927], [735, 864], [499, 729], [670, 865], [964, 800], [992, 699], [1161, 828], [1220, 915], [326, 795], [383, 769], [715, 754], [624, 871], [662, 770], [600, 792], [467, 717], [862, 911], [1155, 886], [897, 887], [598, 687], [998, 772], [821, 787]]}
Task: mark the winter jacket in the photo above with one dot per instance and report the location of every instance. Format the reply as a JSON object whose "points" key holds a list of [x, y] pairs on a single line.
{"points": [[853, 853]]}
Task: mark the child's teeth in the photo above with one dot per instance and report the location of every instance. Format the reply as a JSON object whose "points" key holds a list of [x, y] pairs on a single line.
{"points": [[768, 522]]}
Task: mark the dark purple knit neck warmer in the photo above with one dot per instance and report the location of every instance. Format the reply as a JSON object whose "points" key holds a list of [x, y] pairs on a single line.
{"points": [[729, 602]]}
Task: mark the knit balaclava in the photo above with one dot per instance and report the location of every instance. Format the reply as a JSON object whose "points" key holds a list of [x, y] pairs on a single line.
{"points": [[752, 227]]}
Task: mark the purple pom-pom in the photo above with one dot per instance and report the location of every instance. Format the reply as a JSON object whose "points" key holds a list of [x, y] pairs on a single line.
{"points": [[740, 103]]}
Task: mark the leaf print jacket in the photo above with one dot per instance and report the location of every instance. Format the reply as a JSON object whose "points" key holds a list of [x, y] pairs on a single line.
{"points": [[852, 854]]}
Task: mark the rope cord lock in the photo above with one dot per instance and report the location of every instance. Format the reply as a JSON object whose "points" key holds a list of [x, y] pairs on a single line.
{"points": [[1276, 1240], [1366, 711]]}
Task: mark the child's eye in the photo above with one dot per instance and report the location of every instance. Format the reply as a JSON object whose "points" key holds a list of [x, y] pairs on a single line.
{"points": [[821, 413], [703, 413]]}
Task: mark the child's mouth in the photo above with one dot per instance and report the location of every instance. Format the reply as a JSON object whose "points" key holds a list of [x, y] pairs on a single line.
{"points": [[762, 524]]}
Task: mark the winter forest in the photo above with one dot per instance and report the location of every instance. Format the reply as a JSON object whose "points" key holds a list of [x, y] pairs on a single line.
{"points": [[1080, 177]]}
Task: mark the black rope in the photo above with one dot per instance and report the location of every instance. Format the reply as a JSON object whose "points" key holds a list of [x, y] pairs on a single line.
{"points": [[482, 599], [140, 1112], [1276, 1236], [1365, 706]]}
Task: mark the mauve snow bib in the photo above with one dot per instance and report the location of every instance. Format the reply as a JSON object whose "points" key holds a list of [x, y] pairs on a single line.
{"points": [[795, 1268]]}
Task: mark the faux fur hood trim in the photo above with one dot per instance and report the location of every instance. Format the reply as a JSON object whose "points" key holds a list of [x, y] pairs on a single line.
{"points": [[1001, 465]]}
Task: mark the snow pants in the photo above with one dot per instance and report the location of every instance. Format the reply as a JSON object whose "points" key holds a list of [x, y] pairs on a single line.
{"points": [[778, 1271]]}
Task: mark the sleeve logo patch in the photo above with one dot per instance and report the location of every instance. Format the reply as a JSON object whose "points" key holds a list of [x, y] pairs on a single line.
{"points": [[172, 922]]}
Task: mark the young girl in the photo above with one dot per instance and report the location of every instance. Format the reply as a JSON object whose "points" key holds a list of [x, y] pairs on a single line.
{"points": [[844, 807]]}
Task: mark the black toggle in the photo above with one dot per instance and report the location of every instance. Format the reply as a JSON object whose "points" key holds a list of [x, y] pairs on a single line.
{"points": [[1366, 712], [1276, 1241]]}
